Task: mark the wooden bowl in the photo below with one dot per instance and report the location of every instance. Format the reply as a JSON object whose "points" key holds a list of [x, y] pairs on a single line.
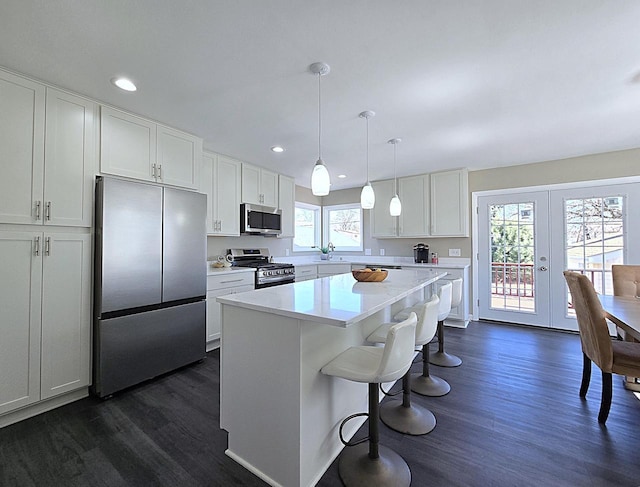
{"points": [[369, 276]]}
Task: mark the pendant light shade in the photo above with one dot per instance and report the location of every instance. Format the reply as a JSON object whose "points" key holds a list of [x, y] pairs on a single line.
{"points": [[320, 180], [367, 196], [395, 206]]}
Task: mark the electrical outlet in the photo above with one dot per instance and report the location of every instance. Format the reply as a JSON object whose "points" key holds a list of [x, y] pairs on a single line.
{"points": [[454, 253], [367, 251], [286, 252], [381, 251]]}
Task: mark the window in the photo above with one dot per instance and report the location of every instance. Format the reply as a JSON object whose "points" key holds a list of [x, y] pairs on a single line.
{"points": [[343, 227], [307, 231]]}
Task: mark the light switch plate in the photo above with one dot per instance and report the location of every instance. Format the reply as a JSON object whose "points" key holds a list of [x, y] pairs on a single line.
{"points": [[286, 252], [381, 251], [454, 253], [367, 251]]}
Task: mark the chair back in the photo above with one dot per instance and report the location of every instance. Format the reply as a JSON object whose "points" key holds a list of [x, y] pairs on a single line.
{"points": [[398, 350], [626, 280], [444, 293], [427, 321], [592, 324], [456, 292]]}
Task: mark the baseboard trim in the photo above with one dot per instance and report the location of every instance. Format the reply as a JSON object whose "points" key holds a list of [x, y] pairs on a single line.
{"points": [[42, 407]]}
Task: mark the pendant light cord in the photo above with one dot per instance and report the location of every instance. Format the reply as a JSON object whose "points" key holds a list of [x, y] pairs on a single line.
{"points": [[367, 150], [395, 178], [319, 119]]}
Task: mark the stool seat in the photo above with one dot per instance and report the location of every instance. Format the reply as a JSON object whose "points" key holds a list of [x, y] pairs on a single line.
{"points": [[359, 364], [442, 358]]}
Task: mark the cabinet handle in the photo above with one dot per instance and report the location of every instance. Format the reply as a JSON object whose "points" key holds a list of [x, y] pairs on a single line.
{"points": [[219, 225], [153, 171], [47, 246], [232, 280], [160, 171], [37, 210], [47, 211], [36, 246]]}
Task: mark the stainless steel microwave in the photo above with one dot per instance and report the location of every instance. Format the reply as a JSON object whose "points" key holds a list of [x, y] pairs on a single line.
{"points": [[260, 220]]}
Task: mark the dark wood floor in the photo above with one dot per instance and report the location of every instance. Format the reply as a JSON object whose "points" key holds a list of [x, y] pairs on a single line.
{"points": [[512, 418]]}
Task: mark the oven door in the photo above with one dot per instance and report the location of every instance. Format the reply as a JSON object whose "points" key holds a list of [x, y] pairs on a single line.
{"points": [[274, 281]]}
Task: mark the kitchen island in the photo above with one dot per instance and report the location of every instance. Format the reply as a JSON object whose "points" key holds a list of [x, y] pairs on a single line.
{"points": [[281, 413]]}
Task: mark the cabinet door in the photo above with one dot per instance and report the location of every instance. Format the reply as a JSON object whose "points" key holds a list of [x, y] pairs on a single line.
{"points": [[226, 188], [20, 286], [287, 203], [127, 145], [213, 309], [178, 158], [70, 155], [21, 149], [66, 313], [269, 188], [382, 223], [206, 187], [251, 184], [450, 204], [414, 195]]}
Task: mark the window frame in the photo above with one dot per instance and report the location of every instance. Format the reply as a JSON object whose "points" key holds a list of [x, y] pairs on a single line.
{"points": [[325, 225], [317, 209]]}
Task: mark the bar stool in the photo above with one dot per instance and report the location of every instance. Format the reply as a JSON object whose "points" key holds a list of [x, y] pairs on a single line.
{"points": [[376, 465], [442, 358], [424, 383], [402, 416]]}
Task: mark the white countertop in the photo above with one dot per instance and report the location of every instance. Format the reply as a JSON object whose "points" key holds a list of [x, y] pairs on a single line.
{"points": [[336, 300], [211, 271], [378, 261]]}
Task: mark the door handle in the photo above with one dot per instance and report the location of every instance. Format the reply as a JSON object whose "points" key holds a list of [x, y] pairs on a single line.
{"points": [[47, 246], [543, 268], [47, 211], [38, 210], [36, 249]]}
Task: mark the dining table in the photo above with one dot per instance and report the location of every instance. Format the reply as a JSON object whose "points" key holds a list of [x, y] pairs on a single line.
{"points": [[624, 313]]}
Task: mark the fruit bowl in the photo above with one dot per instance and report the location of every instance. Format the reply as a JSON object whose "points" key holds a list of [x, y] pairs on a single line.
{"points": [[369, 275]]}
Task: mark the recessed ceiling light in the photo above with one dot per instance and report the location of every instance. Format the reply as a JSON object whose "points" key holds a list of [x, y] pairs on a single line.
{"points": [[124, 84], [342, 176], [277, 148]]}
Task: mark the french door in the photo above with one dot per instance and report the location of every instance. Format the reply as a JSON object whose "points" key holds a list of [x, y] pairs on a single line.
{"points": [[526, 240], [513, 273]]}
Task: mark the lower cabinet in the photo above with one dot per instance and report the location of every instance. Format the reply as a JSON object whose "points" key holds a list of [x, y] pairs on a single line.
{"points": [[45, 316], [306, 272], [227, 283], [325, 270]]}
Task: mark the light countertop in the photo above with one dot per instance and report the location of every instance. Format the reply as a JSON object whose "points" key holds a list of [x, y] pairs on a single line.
{"points": [[377, 261], [336, 300], [215, 271]]}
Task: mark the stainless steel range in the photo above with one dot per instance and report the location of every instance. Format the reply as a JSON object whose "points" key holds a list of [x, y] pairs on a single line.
{"points": [[268, 273]]}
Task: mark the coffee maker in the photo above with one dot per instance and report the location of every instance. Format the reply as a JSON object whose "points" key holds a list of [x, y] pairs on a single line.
{"points": [[421, 253]]}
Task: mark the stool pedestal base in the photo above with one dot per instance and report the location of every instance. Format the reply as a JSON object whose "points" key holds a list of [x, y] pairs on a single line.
{"points": [[413, 420], [444, 359], [357, 469], [431, 386]]}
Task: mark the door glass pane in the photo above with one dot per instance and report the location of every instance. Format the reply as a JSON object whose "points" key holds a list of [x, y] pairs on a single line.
{"points": [[594, 239], [512, 256]]}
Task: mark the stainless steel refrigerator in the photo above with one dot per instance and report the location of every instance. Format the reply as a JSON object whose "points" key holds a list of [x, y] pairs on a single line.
{"points": [[150, 282]]}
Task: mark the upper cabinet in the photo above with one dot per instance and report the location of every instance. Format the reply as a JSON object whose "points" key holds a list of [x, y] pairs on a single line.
{"points": [[221, 182], [450, 204], [259, 186], [287, 203], [50, 182], [433, 205], [414, 195], [134, 147]]}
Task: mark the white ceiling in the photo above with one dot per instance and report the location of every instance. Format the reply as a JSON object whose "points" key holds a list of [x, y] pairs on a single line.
{"points": [[466, 83]]}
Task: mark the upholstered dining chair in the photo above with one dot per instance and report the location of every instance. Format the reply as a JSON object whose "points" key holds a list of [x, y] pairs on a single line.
{"points": [[611, 356], [626, 280]]}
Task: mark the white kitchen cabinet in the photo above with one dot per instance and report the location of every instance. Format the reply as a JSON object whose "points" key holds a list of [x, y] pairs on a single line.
{"points": [[306, 272], [220, 180], [221, 285], [325, 270], [45, 315], [287, 203], [134, 147], [50, 183], [259, 186], [382, 223], [179, 157], [414, 195], [450, 204]]}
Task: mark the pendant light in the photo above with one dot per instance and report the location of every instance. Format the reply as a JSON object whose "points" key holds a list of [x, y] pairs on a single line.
{"points": [[320, 181], [395, 206], [367, 196]]}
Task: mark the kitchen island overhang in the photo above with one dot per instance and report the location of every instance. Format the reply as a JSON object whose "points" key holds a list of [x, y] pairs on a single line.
{"points": [[281, 413]]}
